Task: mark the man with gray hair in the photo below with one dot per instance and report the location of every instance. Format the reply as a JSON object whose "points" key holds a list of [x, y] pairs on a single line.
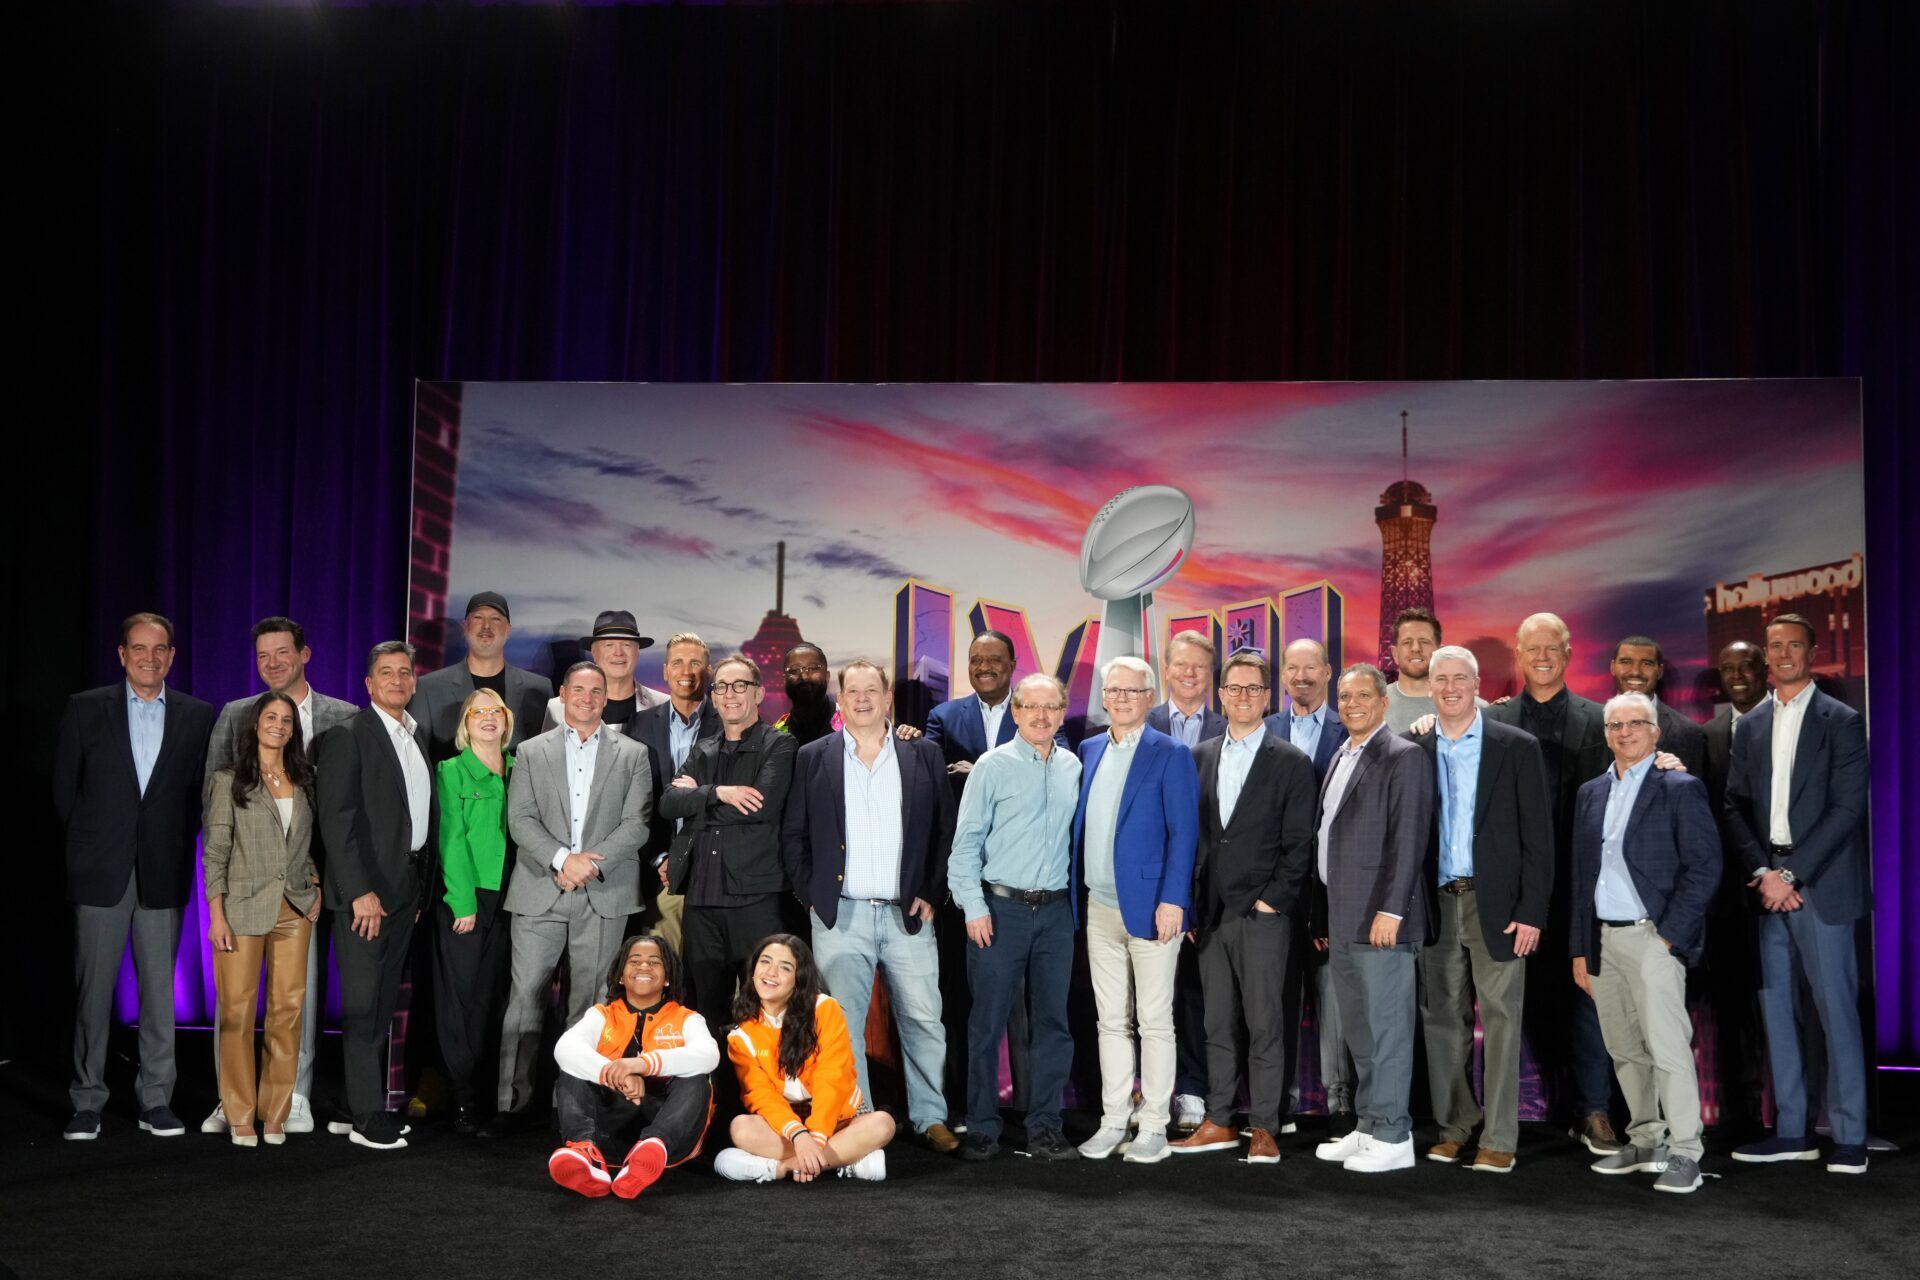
{"points": [[1646, 861], [1492, 844], [1011, 876], [1134, 834]]}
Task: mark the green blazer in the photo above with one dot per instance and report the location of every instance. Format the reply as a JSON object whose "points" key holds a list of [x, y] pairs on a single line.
{"points": [[473, 828]]}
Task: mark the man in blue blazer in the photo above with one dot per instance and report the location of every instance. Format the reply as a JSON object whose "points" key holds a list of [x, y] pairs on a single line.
{"points": [[1795, 802], [1646, 862], [1134, 834], [865, 838], [967, 728]]}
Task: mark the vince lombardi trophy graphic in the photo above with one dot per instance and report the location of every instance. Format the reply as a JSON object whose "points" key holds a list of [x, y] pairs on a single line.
{"points": [[1134, 544]]}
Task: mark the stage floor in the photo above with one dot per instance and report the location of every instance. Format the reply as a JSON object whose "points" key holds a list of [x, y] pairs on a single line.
{"points": [[133, 1205]]}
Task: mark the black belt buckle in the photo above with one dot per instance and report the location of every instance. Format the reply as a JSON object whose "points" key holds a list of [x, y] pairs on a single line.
{"points": [[1781, 850], [1458, 885], [1031, 897]]}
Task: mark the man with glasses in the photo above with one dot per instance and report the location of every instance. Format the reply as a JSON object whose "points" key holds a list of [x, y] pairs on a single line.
{"points": [[729, 798], [1011, 874], [1493, 845], [1646, 861], [577, 809], [811, 716], [1256, 843], [1134, 836]]}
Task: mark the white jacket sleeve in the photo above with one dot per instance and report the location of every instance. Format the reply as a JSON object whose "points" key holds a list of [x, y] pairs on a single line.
{"points": [[578, 1051], [697, 1055]]}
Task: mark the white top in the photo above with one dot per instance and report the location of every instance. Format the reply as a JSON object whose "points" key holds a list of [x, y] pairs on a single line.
{"points": [[285, 805], [1787, 719], [413, 766], [875, 829], [990, 718], [581, 755]]}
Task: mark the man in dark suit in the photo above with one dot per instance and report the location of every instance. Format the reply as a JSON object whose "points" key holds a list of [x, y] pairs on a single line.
{"points": [[1561, 1025], [1639, 666], [865, 839], [440, 694], [1375, 808], [1257, 798], [127, 770], [1646, 860], [729, 799], [669, 731], [1796, 802], [280, 655], [1730, 974], [375, 811], [1493, 853]]}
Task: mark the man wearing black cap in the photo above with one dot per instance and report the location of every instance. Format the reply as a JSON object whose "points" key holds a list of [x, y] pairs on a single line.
{"points": [[440, 695], [615, 647]]}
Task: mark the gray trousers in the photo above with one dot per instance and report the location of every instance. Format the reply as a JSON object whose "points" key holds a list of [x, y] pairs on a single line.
{"points": [[588, 942], [99, 942], [310, 1014], [1641, 995], [1336, 1063], [1243, 966], [1376, 990], [1452, 972]]}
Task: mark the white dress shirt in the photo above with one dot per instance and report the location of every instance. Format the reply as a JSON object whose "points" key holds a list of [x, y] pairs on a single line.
{"points": [[582, 753], [991, 718], [1787, 719], [413, 767], [874, 823]]}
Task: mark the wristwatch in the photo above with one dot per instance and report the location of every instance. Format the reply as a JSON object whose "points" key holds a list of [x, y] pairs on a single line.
{"points": [[1788, 878]]}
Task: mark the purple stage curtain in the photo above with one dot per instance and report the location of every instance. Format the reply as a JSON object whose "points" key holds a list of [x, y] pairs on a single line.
{"points": [[273, 222]]}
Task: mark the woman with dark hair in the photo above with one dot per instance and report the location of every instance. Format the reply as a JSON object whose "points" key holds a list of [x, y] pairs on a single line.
{"points": [[262, 899], [795, 1061], [470, 943], [635, 1078]]}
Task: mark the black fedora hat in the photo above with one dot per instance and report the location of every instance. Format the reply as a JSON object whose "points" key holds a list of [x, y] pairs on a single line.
{"points": [[615, 624]]}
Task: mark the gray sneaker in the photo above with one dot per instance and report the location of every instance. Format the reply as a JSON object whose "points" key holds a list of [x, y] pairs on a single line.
{"points": [[1104, 1143], [1632, 1159], [1682, 1176], [1147, 1148]]}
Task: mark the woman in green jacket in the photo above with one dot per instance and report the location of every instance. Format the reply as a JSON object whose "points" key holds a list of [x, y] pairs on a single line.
{"points": [[471, 947]]}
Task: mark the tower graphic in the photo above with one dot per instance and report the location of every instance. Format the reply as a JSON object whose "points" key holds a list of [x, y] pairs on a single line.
{"points": [[778, 632], [1405, 515]]}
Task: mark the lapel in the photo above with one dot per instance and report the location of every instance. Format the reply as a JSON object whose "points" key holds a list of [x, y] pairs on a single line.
{"points": [[1493, 758], [1007, 727], [1360, 768], [602, 771], [382, 746], [1813, 730], [1136, 779], [170, 738], [121, 731], [1758, 735], [1264, 763], [836, 781], [1209, 763], [1641, 802], [302, 819], [1090, 766]]}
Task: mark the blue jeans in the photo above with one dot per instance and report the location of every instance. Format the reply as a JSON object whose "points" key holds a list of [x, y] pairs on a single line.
{"points": [[1035, 943], [867, 935], [1799, 941]]}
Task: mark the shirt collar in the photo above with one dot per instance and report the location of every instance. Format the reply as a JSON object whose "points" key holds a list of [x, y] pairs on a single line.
{"points": [[686, 722], [1293, 709], [404, 724], [1473, 731], [1175, 713], [1799, 699], [1637, 773], [1249, 742], [574, 735], [1031, 752], [852, 746], [1353, 747], [1130, 741], [133, 696]]}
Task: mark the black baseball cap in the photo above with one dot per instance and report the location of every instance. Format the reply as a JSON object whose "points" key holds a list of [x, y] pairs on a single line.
{"points": [[486, 599]]}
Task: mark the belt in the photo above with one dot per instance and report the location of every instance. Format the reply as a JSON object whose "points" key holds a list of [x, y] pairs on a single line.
{"points": [[1626, 924], [871, 902], [1463, 884], [1781, 849], [1032, 897]]}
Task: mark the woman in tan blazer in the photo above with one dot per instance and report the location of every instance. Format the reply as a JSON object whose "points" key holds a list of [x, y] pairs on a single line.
{"points": [[262, 898]]}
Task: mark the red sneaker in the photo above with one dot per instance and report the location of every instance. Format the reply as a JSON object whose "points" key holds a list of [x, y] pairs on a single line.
{"points": [[645, 1163], [578, 1166]]}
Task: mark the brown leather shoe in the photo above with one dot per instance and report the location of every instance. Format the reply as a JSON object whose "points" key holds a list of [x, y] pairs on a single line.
{"points": [[1446, 1152], [1208, 1137], [1596, 1131], [1263, 1149], [940, 1138], [1485, 1161]]}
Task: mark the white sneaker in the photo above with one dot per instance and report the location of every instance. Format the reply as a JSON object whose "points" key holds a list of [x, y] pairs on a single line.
{"points": [[1104, 1143], [736, 1165], [1375, 1156], [300, 1118], [871, 1167], [217, 1122], [1147, 1148], [1341, 1149], [1189, 1110]]}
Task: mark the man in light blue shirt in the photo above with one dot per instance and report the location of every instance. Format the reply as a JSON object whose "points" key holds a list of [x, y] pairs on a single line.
{"points": [[1009, 874]]}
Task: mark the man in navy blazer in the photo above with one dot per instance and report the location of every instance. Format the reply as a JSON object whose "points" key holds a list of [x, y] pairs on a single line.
{"points": [[1375, 808], [967, 728], [127, 770], [1795, 802], [1646, 862], [865, 839], [1134, 835], [1185, 716], [669, 731]]}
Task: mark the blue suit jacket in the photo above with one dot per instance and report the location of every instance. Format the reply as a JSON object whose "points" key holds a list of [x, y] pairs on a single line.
{"points": [[813, 842], [1332, 734], [1672, 848], [955, 727], [1826, 812], [1157, 831], [1212, 723]]}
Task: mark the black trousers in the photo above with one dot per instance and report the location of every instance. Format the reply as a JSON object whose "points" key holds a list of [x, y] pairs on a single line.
{"points": [[470, 971], [370, 974], [676, 1111], [719, 941], [1243, 968]]}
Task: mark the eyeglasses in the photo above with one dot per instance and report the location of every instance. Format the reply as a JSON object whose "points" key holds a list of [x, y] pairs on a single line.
{"points": [[812, 669], [1243, 690], [1045, 708], [734, 686], [486, 713], [1128, 693], [1621, 726]]}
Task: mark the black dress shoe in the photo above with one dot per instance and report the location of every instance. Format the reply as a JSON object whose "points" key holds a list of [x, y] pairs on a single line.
{"points": [[465, 1122], [1051, 1144], [978, 1146], [503, 1125]]}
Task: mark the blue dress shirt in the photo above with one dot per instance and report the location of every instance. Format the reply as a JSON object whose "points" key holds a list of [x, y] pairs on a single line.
{"points": [[1016, 823], [146, 726], [1614, 897], [1236, 760], [1459, 765]]}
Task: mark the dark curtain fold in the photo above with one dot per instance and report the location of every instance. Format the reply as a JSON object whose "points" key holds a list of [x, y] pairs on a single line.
{"points": [[268, 224]]}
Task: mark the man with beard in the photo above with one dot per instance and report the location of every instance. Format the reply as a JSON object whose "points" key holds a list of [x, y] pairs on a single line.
{"points": [[1416, 634], [439, 695], [812, 716], [1638, 667]]}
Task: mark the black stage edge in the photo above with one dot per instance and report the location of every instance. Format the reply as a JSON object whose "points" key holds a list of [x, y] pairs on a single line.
{"points": [[133, 1205]]}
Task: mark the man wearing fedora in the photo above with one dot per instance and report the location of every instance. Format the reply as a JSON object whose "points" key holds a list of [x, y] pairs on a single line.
{"points": [[615, 647], [439, 695]]}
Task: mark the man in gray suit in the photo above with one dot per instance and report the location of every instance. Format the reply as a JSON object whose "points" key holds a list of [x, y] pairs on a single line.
{"points": [[1375, 808], [280, 655], [577, 810], [440, 694]]}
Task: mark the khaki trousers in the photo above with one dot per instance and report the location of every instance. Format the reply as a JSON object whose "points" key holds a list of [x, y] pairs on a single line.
{"points": [[236, 978], [1132, 984], [1641, 995]]}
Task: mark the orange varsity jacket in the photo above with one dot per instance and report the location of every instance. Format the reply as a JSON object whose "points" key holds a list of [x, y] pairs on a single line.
{"points": [[828, 1075]]}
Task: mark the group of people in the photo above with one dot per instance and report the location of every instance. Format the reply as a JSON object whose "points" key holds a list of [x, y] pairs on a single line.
{"points": [[1398, 854]]}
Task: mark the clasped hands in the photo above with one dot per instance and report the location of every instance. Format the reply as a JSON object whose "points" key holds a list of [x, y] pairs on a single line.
{"points": [[625, 1077]]}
